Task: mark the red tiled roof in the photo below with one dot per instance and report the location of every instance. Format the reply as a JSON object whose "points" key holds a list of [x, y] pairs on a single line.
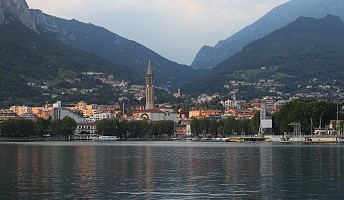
{"points": [[153, 111]]}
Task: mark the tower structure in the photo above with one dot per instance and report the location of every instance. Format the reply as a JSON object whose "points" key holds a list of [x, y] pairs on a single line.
{"points": [[265, 122], [149, 88]]}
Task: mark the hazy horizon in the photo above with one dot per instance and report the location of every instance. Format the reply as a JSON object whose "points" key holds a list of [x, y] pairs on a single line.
{"points": [[175, 29]]}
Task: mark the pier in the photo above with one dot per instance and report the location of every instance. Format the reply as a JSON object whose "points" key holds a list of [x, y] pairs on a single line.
{"points": [[248, 138]]}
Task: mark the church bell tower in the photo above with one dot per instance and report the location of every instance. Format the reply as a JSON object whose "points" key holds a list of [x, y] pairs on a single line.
{"points": [[149, 88]]}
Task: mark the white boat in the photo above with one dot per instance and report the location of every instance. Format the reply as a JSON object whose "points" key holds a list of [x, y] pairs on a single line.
{"points": [[340, 140], [106, 138], [297, 139]]}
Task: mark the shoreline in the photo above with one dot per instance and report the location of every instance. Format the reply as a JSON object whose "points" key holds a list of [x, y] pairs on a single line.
{"points": [[74, 140], [32, 139]]}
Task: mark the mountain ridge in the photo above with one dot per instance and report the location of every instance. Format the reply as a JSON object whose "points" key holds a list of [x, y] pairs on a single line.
{"points": [[111, 46], [278, 17], [16, 10], [35, 69], [100, 41], [304, 49]]}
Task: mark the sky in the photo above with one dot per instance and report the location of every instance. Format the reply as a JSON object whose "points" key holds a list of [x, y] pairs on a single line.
{"points": [[175, 29]]}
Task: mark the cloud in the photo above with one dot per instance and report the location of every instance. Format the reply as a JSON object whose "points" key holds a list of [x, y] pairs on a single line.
{"points": [[176, 29]]}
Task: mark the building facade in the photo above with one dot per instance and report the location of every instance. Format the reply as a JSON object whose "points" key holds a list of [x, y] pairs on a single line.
{"points": [[85, 128], [158, 115]]}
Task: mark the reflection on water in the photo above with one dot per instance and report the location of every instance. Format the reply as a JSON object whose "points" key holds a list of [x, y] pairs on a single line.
{"points": [[170, 170]]}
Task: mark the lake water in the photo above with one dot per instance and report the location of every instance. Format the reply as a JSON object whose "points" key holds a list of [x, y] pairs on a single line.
{"points": [[170, 170]]}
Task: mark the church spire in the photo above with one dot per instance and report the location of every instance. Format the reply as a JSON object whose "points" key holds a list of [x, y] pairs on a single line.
{"points": [[149, 69]]}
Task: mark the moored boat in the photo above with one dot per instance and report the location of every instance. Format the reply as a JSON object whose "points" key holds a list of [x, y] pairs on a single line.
{"points": [[106, 138]]}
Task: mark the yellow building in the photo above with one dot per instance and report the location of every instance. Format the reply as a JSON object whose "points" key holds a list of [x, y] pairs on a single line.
{"points": [[87, 110], [194, 113]]}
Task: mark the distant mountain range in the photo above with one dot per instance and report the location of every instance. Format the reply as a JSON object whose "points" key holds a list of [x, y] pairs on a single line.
{"points": [[32, 65], [305, 50], [98, 40], [279, 17], [34, 68], [42, 56]]}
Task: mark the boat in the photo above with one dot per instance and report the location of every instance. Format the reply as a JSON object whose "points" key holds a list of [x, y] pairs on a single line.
{"points": [[106, 138], [299, 138], [340, 140], [84, 136], [248, 138], [323, 135]]}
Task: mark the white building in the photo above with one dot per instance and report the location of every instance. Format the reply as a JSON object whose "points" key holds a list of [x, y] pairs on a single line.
{"points": [[158, 115], [86, 128], [101, 116], [269, 104], [60, 113]]}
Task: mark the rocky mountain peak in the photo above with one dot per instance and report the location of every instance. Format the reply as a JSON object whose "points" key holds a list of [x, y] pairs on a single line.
{"points": [[16, 10], [42, 19]]}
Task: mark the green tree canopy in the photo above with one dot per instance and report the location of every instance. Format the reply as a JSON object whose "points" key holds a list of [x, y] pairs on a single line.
{"points": [[108, 127], [306, 112], [42, 127]]}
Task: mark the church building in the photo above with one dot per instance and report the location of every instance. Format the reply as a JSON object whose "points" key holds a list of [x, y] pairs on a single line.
{"points": [[151, 112]]}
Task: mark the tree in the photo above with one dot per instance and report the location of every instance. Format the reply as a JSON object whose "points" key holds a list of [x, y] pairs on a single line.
{"points": [[17, 128], [41, 127], [68, 126], [229, 126], [221, 127], [255, 123], [242, 126], [55, 127], [8, 128], [212, 127], [162, 128], [108, 127], [196, 128], [23, 127], [123, 128], [138, 129]]}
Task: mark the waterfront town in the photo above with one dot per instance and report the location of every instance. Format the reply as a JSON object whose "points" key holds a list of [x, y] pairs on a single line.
{"points": [[87, 116]]}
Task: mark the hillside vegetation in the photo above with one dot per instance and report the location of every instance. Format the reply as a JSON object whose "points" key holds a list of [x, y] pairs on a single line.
{"points": [[29, 60]]}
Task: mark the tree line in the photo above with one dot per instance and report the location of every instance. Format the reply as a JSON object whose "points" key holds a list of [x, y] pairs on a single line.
{"points": [[310, 113], [25, 128], [224, 127], [136, 129]]}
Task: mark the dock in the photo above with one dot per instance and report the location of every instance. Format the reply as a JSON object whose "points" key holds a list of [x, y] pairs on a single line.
{"points": [[247, 139]]}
